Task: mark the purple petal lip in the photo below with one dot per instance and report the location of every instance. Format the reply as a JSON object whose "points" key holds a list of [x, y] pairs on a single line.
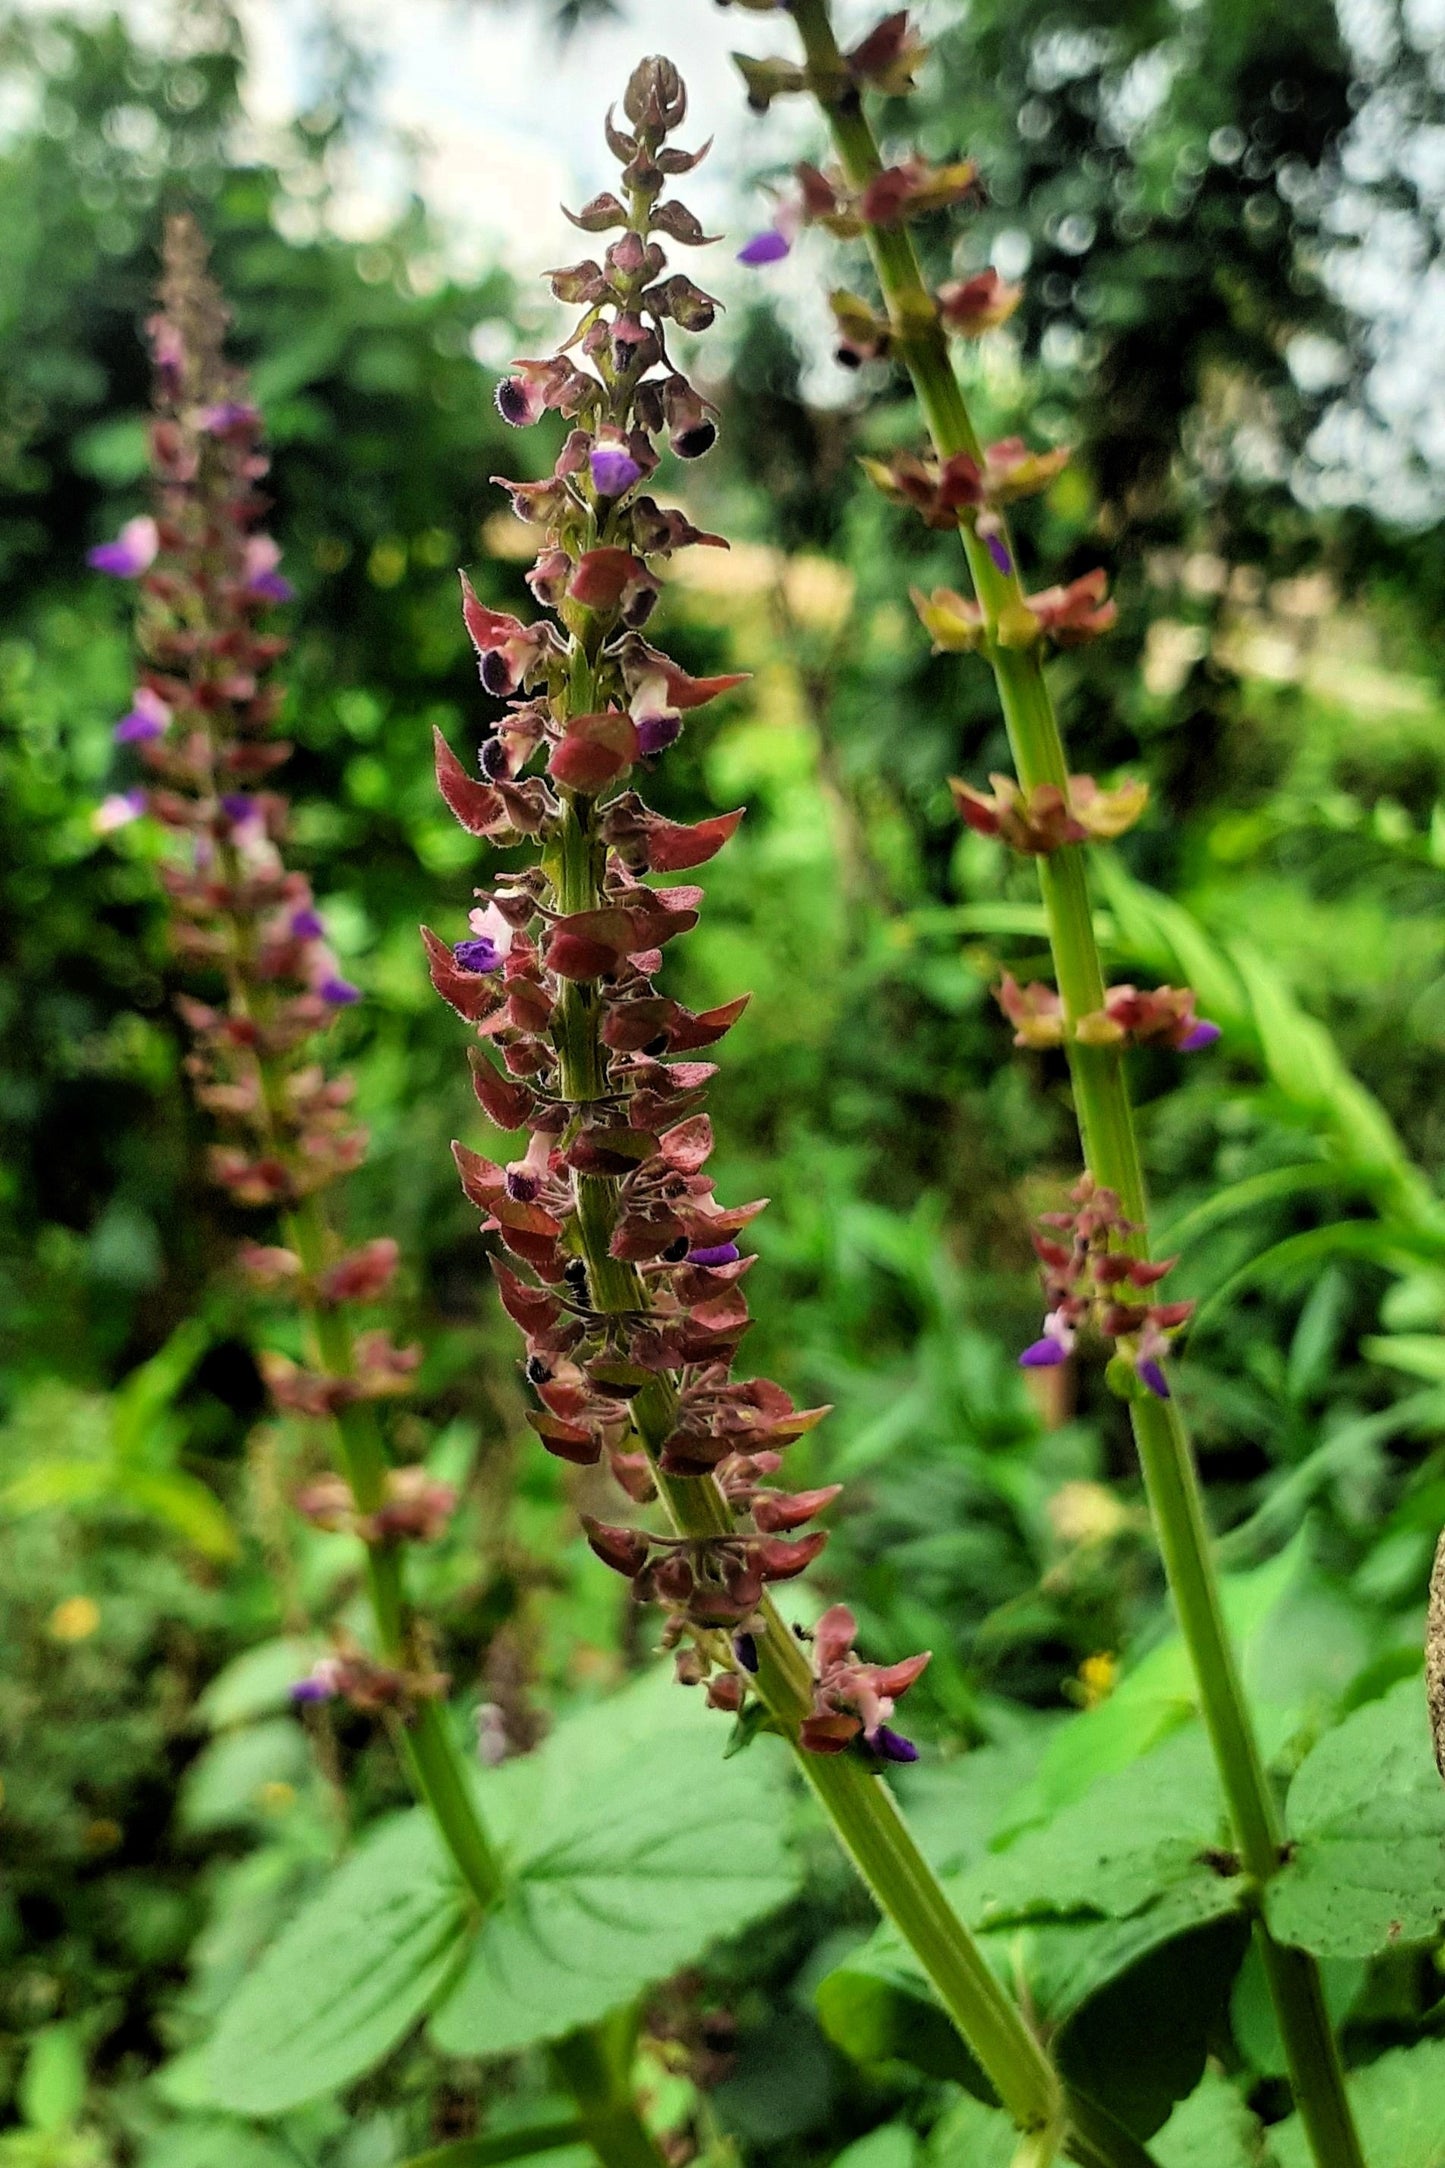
{"points": [[272, 587], [745, 1648], [339, 992], [227, 415], [311, 1689], [117, 558], [720, 1253], [891, 1744], [481, 955], [1042, 1355], [307, 925], [236, 805], [998, 551], [1204, 1034], [1152, 1376], [656, 732], [135, 728], [767, 247], [614, 471]]}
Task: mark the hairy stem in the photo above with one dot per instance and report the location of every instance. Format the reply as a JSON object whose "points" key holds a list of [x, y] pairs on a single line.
{"points": [[1106, 1124]]}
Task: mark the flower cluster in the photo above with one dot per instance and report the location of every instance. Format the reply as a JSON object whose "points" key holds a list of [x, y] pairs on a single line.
{"points": [[1091, 1277], [1163, 1017], [623, 1272], [202, 724], [375, 1688], [897, 194], [1045, 818], [1069, 616], [414, 1509]]}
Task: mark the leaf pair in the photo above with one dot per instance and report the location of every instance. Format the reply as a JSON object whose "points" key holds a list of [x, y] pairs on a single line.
{"points": [[627, 1846]]}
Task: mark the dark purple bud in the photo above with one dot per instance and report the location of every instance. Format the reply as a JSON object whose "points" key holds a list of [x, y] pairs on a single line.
{"points": [[493, 758], [523, 1187], [769, 246], [656, 732], [481, 955], [675, 1251], [720, 1253], [745, 1648], [496, 673], [891, 1745], [1204, 1034], [236, 805], [613, 470], [227, 415], [272, 587], [1042, 1355], [692, 443], [1151, 1375], [312, 1689], [518, 402], [307, 925], [339, 992], [998, 551]]}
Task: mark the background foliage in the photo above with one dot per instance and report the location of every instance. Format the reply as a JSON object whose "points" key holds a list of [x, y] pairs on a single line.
{"points": [[1209, 198]]}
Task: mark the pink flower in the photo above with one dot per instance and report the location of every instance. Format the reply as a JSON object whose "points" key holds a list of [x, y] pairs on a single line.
{"points": [[131, 553]]}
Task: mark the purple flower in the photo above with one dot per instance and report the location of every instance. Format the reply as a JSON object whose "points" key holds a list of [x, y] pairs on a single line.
{"points": [[518, 402], [311, 1689], [227, 414], [147, 719], [338, 991], [1203, 1034], [770, 246], [1043, 1354], [998, 551], [1151, 1375], [132, 552], [272, 587], [656, 732], [745, 1648], [306, 924], [719, 1253], [236, 805], [891, 1745], [613, 470], [481, 955]]}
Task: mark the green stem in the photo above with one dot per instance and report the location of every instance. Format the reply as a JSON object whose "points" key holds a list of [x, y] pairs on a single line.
{"points": [[1106, 1124], [607, 2113], [863, 1812]]}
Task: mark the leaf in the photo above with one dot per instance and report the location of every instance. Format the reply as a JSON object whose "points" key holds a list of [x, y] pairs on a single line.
{"points": [[227, 1782], [149, 1390], [213, 2142], [1418, 1354], [1274, 1186], [972, 2136], [348, 1978], [1211, 2129], [495, 2147], [184, 1502], [892, 2145], [53, 2082], [1134, 1835], [257, 1681], [631, 1845], [1399, 2105], [877, 2007], [1366, 1819]]}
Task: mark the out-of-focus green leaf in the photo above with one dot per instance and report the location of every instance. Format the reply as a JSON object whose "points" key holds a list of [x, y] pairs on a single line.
{"points": [[257, 1682]]}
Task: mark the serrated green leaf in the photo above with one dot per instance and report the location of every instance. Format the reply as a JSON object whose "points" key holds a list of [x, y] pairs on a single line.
{"points": [[1134, 1835], [1366, 1819], [631, 1845], [1399, 2105], [348, 1979]]}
